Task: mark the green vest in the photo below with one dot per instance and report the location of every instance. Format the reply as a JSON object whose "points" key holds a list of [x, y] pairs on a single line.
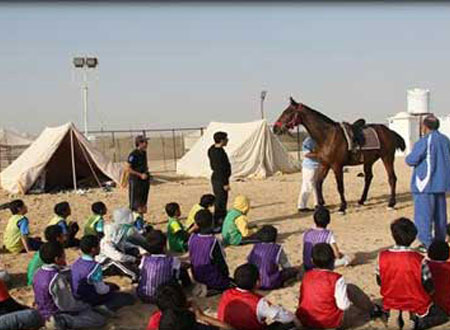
{"points": [[176, 242], [12, 237], [35, 263], [89, 227], [230, 232]]}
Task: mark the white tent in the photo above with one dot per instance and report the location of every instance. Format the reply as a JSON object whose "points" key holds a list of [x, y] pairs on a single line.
{"points": [[253, 150], [61, 157], [11, 138]]}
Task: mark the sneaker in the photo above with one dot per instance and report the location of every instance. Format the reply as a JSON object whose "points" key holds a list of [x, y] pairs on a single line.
{"points": [[378, 313], [305, 210]]}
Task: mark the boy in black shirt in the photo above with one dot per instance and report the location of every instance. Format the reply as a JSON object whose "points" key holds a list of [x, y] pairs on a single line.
{"points": [[139, 176]]}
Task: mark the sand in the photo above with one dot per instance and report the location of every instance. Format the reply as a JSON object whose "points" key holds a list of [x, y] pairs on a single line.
{"points": [[362, 231]]}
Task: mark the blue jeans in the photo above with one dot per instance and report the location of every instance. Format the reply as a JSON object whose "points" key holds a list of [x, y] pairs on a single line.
{"points": [[26, 319], [430, 209]]}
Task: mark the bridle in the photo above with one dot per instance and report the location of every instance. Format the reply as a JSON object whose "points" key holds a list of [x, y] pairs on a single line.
{"points": [[295, 120]]}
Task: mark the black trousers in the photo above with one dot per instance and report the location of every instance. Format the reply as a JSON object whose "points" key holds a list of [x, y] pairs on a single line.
{"points": [[220, 207], [138, 191]]}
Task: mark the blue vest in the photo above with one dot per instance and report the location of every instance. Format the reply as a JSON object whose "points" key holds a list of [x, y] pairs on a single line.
{"points": [[82, 289], [266, 257], [156, 271], [311, 238], [41, 287]]}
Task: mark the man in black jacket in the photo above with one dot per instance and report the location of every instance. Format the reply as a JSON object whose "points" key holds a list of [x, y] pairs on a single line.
{"points": [[221, 168], [138, 174]]}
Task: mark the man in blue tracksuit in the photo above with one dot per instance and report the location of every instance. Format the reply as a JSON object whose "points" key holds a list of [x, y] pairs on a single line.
{"points": [[430, 181]]}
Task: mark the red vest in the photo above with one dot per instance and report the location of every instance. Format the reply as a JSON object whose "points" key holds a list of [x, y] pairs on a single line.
{"points": [[401, 281], [317, 305], [440, 272], [153, 323], [3, 291], [238, 309]]}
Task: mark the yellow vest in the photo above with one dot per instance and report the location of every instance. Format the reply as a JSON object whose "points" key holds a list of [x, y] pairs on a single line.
{"points": [[89, 227], [191, 216], [12, 237]]}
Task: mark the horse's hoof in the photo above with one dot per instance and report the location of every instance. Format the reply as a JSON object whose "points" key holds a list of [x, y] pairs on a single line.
{"points": [[391, 208], [361, 203]]}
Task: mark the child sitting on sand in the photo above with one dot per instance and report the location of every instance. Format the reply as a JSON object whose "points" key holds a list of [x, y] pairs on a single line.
{"points": [[244, 309], [62, 212], [95, 223], [17, 233], [269, 257], [325, 296], [87, 279], [139, 211], [405, 279], [236, 229], [53, 294], [207, 257], [206, 202], [52, 234], [320, 234], [176, 234], [175, 312], [157, 268], [438, 255]]}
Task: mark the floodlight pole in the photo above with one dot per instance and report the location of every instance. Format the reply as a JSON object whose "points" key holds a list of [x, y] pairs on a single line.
{"points": [[263, 97], [85, 101]]}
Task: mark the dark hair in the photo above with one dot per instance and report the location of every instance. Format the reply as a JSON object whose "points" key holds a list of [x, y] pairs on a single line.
{"points": [[246, 276], [88, 243], [439, 250], [49, 251], [207, 200], [98, 208], [204, 220], [268, 234], [156, 241], [172, 209], [322, 217], [220, 136], [323, 256], [171, 296], [52, 233], [431, 122], [403, 231], [177, 320], [61, 209], [13, 206]]}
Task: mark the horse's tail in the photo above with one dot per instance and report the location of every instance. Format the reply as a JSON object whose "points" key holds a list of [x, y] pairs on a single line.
{"points": [[399, 141]]}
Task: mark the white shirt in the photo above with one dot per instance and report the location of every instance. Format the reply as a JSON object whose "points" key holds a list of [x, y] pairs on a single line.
{"points": [[340, 294]]}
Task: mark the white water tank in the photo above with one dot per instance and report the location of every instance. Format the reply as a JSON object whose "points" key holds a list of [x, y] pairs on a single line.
{"points": [[418, 101]]}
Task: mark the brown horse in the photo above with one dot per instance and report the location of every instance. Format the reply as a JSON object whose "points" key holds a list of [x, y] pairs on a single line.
{"points": [[332, 149]]}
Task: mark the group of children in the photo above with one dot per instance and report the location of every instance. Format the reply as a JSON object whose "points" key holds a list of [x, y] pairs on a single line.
{"points": [[77, 296]]}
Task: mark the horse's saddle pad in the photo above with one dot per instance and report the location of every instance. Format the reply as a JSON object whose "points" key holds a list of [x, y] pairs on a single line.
{"points": [[371, 139]]}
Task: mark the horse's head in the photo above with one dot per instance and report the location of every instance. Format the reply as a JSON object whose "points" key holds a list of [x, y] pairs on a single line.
{"points": [[289, 119]]}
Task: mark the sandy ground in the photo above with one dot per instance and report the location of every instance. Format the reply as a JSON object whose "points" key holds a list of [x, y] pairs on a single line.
{"points": [[362, 231]]}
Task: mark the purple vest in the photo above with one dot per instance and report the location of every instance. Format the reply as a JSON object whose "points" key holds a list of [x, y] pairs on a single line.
{"points": [[41, 287], [156, 271], [203, 268], [81, 288], [311, 238], [266, 257]]}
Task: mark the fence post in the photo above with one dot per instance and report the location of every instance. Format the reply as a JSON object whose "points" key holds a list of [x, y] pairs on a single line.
{"points": [[298, 143], [174, 148], [113, 136]]}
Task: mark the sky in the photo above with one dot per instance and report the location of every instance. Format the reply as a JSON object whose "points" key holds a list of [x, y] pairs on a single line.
{"points": [[184, 65]]}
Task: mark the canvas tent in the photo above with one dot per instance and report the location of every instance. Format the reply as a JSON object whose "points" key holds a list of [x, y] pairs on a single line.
{"points": [[11, 138], [60, 158], [253, 150]]}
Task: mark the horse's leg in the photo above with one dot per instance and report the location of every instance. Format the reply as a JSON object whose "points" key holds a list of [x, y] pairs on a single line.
{"points": [[322, 173], [339, 175], [368, 176], [388, 161]]}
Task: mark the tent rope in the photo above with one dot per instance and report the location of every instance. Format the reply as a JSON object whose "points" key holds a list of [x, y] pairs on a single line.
{"points": [[89, 163], [72, 151]]}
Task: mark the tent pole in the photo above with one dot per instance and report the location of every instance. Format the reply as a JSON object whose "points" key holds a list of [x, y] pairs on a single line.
{"points": [[74, 174]]}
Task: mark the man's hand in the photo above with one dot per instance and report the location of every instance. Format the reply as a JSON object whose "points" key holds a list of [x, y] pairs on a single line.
{"points": [[144, 176], [226, 187]]}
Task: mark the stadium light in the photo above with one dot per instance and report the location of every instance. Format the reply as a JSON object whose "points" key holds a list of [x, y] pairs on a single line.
{"points": [[84, 63], [263, 97]]}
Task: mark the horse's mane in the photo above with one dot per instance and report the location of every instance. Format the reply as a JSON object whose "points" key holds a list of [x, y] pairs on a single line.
{"points": [[320, 115]]}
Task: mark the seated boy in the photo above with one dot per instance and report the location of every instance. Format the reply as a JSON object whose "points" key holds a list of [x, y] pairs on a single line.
{"points": [[325, 296], [178, 237], [439, 264], [405, 279], [207, 256], [14, 315], [53, 295], [87, 279], [206, 202], [52, 234], [269, 257], [139, 210], [16, 236], [320, 234], [235, 229], [157, 268], [175, 312], [94, 224], [244, 309], [62, 212]]}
